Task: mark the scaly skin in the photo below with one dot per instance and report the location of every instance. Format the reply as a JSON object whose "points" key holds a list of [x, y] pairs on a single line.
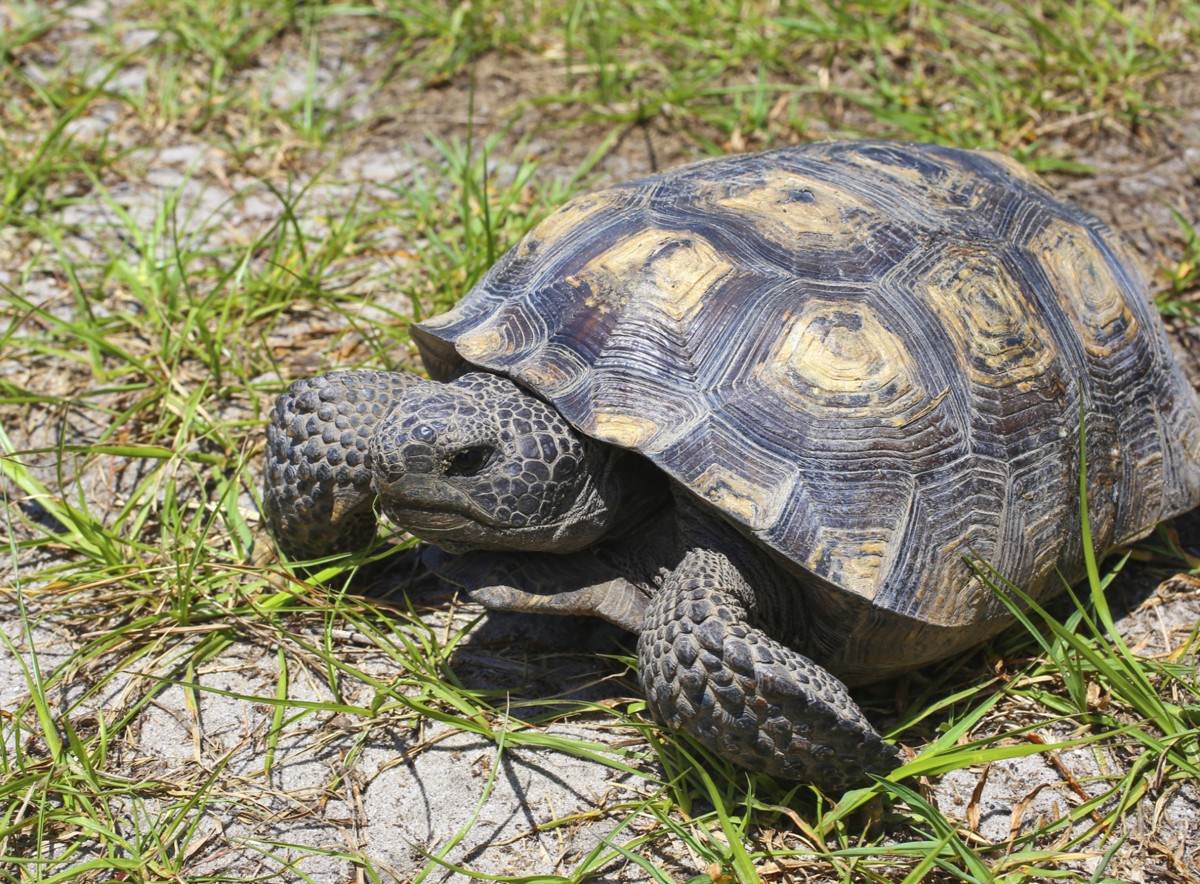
{"points": [[479, 464]]}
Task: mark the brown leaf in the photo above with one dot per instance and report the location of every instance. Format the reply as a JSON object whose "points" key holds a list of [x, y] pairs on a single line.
{"points": [[973, 805]]}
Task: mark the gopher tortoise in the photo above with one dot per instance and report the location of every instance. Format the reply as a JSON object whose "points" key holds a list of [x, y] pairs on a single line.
{"points": [[765, 411]]}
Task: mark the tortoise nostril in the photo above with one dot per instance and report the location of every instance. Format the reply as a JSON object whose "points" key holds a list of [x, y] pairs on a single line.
{"points": [[469, 461]]}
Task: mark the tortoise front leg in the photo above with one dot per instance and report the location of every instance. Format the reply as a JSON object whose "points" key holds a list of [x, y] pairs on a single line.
{"points": [[317, 494], [708, 671]]}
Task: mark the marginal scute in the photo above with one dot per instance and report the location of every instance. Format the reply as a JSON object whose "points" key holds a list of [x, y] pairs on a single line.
{"points": [[853, 557], [625, 430], [756, 505], [554, 369], [484, 345]]}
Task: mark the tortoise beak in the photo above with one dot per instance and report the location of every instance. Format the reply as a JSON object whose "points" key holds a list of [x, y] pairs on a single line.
{"points": [[417, 502]]}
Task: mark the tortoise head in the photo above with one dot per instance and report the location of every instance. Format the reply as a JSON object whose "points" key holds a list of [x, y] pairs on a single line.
{"points": [[479, 463]]}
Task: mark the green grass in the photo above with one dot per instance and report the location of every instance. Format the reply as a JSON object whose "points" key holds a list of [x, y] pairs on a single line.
{"points": [[1183, 274], [147, 323]]}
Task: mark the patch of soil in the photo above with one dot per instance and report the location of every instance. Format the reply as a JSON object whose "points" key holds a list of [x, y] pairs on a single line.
{"points": [[408, 787]]}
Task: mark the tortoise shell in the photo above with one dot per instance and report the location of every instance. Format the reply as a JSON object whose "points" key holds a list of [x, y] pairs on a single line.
{"points": [[871, 357]]}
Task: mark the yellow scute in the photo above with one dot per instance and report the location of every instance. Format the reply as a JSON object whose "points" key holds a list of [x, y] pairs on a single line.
{"points": [[783, 204], [625, 430], [840, 355], [756, 506], [1099, 310], [998, 332], [482, 345], [853, 558], [569, 221], [669, 271]]}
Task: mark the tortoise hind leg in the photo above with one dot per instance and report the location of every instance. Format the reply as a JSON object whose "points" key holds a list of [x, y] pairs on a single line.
{"points": [[708, 671]]}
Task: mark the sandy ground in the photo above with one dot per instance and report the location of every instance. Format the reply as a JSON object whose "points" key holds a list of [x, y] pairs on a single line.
{"points": [[391, 792]]}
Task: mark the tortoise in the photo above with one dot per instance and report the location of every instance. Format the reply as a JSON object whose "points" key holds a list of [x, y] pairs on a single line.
{"points": [[768, 412]]}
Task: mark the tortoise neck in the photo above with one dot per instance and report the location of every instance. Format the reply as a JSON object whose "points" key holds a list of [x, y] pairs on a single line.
{"points": [[645, 498]]}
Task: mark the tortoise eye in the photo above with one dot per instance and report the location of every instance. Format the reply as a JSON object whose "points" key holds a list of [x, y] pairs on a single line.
{"points": [[470, 461]]}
